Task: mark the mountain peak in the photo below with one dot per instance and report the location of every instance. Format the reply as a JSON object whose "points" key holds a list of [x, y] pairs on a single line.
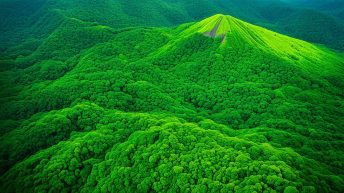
{"points": [[236, 33], [215, 26]]}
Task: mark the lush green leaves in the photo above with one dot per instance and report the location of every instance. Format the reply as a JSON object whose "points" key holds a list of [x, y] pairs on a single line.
{"points": [[171, 110]]}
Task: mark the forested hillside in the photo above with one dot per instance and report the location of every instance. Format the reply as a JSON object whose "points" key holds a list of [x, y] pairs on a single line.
{"points": [[218, 105], [30, 22]]}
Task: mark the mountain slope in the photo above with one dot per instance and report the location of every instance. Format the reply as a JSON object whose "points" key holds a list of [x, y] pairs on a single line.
{"points": [[315, 26], [23, 20], [237, 33], [172, 109]]}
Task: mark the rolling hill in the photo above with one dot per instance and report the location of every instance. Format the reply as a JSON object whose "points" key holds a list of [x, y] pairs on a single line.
{"points": [[218, 105], [30, 22]]}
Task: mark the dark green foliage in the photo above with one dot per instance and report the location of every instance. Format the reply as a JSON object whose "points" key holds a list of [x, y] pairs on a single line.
{"points": [[313, 26], [24, 20], [90, 108]]}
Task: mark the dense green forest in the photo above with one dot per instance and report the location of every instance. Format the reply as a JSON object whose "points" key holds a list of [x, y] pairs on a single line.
{"points": [[32, 21], [94, 98]]}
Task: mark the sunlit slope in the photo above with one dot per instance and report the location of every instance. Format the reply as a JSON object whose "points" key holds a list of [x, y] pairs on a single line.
{"points": [[237, 33], [170, 110], [144, 152], [24, 19]]}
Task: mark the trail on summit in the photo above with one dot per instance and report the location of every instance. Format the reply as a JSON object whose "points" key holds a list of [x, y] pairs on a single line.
{"points": [[213, 32]]}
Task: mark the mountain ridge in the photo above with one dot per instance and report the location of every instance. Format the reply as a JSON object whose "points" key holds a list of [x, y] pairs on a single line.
{"points": [[119, 14], [149, 109], [236, 33]]}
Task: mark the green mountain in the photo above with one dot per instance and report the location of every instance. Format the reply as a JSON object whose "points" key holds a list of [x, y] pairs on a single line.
{"points": [[218, 105], [30, 22]]}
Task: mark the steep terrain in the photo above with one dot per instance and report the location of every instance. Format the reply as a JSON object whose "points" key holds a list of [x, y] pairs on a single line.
{"points": [[96, 109], [29, 22]]}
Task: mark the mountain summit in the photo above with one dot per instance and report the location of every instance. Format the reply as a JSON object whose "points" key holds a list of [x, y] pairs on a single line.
{"points": [[240, 32], [236, 33], [219, 105], [217, 25]]}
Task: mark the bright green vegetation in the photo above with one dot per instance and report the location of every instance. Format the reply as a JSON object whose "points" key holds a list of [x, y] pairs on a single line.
{"points": [[107, 150], [237, 33], [92, 108], [219, 24], [32, 21]]}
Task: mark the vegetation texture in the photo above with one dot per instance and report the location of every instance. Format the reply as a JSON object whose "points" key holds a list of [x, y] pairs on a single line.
{"points": [[311, 20], [218, 105]]}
